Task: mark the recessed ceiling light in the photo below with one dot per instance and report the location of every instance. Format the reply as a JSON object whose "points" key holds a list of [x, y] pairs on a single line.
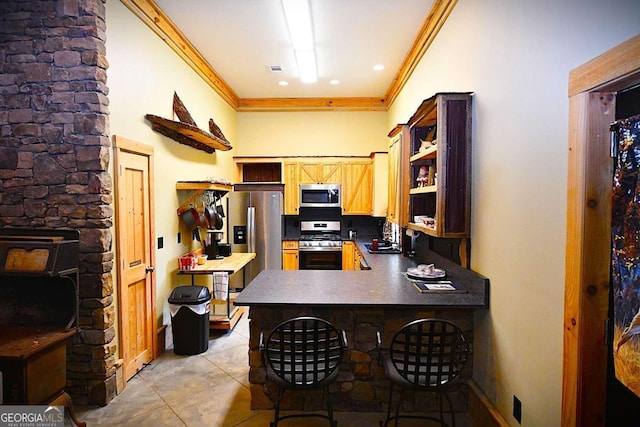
{"points": [[283, 83], [378, 67], [334, 82]]}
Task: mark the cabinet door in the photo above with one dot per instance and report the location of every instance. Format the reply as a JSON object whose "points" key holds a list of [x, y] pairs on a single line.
{"points": [[348, 255], [357, 188], [291, 191], [394, 162], [320, 173], [290, 259]]}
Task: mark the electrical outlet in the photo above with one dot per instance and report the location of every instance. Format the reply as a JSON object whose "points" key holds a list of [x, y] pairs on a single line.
{"points": [[160, 242], [517, 409], [179, 237]]}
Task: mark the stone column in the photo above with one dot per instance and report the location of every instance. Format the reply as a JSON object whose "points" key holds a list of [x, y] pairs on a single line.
{"points": [[54, 159]]}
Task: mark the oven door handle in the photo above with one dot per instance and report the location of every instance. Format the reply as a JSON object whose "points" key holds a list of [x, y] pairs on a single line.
{"points": [[321, 249]]}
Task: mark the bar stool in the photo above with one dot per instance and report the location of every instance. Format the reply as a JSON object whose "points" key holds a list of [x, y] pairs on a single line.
{"points": [[303, 353], [425, 355]]}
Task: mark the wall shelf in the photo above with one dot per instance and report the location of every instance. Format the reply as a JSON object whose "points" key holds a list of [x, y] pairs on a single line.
{"points": [[428, 154], [424, 190], [199, 188]]}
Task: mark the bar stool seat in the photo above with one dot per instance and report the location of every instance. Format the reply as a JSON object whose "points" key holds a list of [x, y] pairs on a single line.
{"points": [[426, 355], [303, 353]]}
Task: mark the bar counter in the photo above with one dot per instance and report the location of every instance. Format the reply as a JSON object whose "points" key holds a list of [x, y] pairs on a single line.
{"points": [[361, 303], [382, 286]]}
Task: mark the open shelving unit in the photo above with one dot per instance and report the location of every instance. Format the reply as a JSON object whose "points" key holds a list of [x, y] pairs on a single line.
{"points": [[199, 188], [439, 169]]}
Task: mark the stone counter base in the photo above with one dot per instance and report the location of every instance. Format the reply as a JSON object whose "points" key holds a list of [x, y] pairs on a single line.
{"points": [[361, 384]]}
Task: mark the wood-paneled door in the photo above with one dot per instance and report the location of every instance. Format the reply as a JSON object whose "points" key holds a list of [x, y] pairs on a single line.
{"points": [[135, 254]]}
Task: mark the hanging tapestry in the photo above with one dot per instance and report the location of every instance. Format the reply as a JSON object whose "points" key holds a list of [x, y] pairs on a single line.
{"points": [[625, 255]]}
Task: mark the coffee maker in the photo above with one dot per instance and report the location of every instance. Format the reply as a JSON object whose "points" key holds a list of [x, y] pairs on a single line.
{"points": [[211, 247]]}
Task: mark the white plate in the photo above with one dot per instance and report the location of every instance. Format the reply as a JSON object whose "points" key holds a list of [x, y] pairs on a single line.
{"points": [[421, 273]]}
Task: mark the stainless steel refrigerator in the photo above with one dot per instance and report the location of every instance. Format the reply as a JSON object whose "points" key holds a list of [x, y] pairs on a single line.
{"points": [[254, 224]]}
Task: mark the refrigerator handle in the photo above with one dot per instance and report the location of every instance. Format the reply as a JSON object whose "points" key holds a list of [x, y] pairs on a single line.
{"points": [[251, 229]]}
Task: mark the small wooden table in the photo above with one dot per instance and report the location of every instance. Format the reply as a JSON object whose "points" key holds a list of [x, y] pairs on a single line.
{"points": [[33, 362], [231, 264]]}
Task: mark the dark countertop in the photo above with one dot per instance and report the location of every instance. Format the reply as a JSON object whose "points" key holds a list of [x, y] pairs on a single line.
{"points": [[383, 285]]}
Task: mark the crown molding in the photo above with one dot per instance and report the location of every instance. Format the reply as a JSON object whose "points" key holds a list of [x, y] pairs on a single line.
{"points": [[149, 13]]}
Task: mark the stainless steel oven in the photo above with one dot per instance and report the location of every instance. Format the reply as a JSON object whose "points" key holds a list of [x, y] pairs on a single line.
{"points": [[320, 245]]}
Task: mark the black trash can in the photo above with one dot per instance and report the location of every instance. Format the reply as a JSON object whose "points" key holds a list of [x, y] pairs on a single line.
{"points": [[190, 307]]}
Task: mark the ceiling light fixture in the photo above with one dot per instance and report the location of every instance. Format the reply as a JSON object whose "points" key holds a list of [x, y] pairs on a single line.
{"points": [[283, 83], [306, 60], [298, 16], [378, 67], [334, 82]]}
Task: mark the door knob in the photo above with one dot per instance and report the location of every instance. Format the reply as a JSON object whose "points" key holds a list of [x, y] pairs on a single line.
{"points": [[150, 269]]}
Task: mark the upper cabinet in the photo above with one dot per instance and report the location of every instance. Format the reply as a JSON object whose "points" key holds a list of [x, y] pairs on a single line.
{"points": [[439, 166], [291, 195], [355, 174], [357, 187], [398, 186], [320, 172]]}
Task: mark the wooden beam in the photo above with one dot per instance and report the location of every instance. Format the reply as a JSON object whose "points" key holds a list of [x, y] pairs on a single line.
{"points": [[308, 104]]}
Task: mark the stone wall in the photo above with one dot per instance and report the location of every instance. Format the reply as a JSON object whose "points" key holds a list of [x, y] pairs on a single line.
{"points": [[361, 383], [54, 159]]}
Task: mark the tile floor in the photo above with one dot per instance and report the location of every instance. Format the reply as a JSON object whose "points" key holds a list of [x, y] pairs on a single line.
{"points": [[210, 389]]}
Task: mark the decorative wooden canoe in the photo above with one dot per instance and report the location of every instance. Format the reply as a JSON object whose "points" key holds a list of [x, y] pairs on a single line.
{"points": [[187, 132]]}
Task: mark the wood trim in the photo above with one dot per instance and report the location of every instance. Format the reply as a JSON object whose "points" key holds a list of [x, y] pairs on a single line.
{"points": [[613, 65], [436, 18], [592, 89], [311, 104], [480, 410], [151, 14], [588, 259]]}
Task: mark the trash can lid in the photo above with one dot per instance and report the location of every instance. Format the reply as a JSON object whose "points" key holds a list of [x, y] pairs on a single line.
{"points": [[189, 295]]}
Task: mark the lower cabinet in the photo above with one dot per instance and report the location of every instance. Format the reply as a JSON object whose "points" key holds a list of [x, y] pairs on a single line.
{"points": [[351, 256], [290, 255]]}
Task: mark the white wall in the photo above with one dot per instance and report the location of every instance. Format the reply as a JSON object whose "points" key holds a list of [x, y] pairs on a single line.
{"points": [[516, 56], [142, 76]]}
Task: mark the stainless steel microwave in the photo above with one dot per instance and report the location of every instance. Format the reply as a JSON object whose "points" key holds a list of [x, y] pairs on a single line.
{"points": [[320, 196]]}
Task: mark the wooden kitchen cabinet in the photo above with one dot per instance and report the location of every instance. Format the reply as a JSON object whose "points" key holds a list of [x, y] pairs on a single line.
{"points": [[440, 173], [355, 174], [398, 185], [348, 255], [351, 256], [291, 195], [319, 173], [357, 187], [290, 255]]}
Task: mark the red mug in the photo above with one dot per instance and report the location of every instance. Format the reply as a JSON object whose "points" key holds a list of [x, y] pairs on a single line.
{"points": [[374, 245]]}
